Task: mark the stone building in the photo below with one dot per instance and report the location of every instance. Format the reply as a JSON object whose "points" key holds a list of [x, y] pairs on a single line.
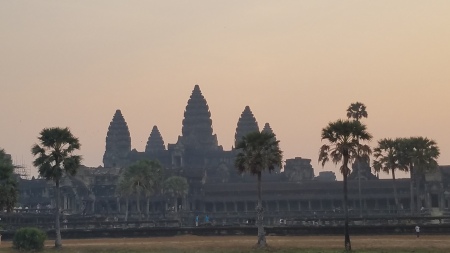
{"points": [[215, 187]]}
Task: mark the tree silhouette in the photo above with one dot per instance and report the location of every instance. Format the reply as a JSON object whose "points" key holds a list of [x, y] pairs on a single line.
{"points": [[54, 157], [258, 152], [343, 139]]}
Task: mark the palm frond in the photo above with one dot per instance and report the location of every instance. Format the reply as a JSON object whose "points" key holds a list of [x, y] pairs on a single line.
{"points": [[356, 111], [343, 140], [258, 151]]}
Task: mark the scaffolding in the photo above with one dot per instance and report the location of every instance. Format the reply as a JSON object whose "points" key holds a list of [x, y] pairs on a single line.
{"points": [[21, 169]]}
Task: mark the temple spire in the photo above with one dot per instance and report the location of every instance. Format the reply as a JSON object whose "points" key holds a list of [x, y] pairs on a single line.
{"points": [[267, 129], [246, 124], [118, 142], [155, 141], [197, 131]]}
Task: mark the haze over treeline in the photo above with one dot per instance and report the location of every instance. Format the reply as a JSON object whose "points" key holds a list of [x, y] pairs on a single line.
{"points": [[297, 64]]}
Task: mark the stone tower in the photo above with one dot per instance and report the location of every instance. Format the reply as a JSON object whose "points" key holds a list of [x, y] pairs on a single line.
{"points": [[246, 124], [118, 142], [197, 131], [267, 129], [155, 141]]}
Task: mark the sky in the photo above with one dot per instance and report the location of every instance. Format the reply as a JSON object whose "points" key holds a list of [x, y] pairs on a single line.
{"points": [[297, 64]]}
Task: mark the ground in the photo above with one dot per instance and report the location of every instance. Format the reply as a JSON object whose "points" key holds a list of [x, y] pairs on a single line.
{"points": [[189, 243]]}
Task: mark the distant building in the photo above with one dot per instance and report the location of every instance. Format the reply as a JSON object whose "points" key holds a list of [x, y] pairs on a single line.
{"points": [[326, 176], [298, 169]]}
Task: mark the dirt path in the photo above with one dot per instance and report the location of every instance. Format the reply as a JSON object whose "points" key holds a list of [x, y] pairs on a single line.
{"points": [[201, 242]]}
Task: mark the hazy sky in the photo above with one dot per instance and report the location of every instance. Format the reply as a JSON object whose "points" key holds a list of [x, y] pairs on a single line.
{"points": [[297, 64]]}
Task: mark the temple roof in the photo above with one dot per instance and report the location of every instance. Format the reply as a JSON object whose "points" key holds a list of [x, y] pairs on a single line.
{"points": [[197, 124], [246, 124], [155, 141], [118, 140]]}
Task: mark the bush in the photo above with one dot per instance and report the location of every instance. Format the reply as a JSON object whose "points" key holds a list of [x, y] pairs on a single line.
{"points": [[29, 239]]}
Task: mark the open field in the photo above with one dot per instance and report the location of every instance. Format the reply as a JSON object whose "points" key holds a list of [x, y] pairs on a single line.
{"points": [[203, 244]]}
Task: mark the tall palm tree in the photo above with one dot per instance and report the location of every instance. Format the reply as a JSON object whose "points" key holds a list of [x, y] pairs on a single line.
{"points": [[419, 154], [175, 187], [343, 139], [54, 158], [258, 152], [387, 159], [357, 111]]}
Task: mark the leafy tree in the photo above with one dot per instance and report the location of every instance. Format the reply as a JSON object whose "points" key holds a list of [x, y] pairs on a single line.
{"points": [[344, 146], [419, 155], [143, 177], [357, 111], [175, 187], [258, 152], [8, 184], [54, 157], [137, 178], [125, 190], [387, 159], [156, 181]]}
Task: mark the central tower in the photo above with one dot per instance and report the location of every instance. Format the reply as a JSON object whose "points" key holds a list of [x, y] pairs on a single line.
{"points": [[197, 131]]}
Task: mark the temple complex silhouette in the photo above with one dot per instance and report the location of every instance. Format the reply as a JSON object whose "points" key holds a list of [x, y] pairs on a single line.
{"points": [[215, 186]]}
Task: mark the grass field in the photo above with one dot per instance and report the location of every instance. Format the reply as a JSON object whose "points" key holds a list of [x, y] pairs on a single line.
{"points": [[244, 244]]}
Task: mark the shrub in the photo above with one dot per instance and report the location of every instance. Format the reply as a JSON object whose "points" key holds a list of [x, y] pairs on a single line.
{"points": [[29, 239]]}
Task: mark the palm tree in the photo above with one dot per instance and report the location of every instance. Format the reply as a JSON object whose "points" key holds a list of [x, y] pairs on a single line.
{"points": [[419, 154], [258, 152], [406, 146], [143, 177], [125, 190], [175, 187], [155, 177], [8, 183], [54, 159], [343, 139], [357, 111], [138, 179], [387, 159]]}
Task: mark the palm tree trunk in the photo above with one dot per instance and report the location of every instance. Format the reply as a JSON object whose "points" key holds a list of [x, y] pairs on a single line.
{"points": [[395, 189], [58, 243], [126, 209], [259, 219], [411, 188], [147, 209], [418, 201], [348, 245], [138, 204], [164, 207], [359, 187]]}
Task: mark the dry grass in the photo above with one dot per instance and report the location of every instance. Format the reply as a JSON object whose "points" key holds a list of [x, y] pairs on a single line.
{"points": [[437, 243]]}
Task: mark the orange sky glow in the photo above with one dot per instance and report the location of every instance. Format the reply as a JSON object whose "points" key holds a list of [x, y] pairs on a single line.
{"points": [[297, 64]]}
